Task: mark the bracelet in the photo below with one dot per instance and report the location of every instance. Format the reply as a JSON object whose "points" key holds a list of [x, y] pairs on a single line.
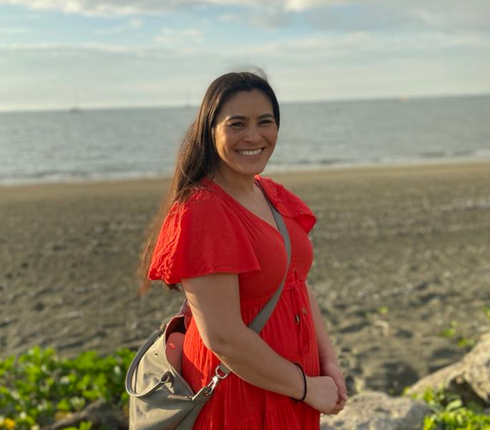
{"points": [[304, 384]]}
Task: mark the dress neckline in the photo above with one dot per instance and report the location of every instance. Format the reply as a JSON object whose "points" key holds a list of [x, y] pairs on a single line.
{"points": [[259, 185]]}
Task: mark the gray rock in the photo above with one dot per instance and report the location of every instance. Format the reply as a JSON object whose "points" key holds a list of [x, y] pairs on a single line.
{"points": [[372, 410], [469, 377]]}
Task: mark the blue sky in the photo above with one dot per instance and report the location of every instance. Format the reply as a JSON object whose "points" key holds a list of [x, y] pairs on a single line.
{"points": [[119, 53]]}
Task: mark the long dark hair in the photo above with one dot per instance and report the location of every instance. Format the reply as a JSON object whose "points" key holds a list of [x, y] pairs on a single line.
{"points": [[197, 156]]}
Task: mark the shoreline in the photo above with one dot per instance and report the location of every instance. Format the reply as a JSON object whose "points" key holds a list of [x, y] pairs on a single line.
{"points": [[343, 168], [399, 253]]}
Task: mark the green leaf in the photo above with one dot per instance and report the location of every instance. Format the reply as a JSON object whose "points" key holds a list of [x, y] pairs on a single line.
{"points": [[78, 403], [86, 425], [64, 405]]}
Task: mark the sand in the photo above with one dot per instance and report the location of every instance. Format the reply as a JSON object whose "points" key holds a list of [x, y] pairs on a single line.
{"points": [[400, 253]]}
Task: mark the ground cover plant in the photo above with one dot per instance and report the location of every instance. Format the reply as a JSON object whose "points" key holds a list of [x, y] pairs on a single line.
{"points": [[39, 388]]}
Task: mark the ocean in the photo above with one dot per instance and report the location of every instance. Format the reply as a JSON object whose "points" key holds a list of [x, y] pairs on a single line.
{"points": [[62, 146]]}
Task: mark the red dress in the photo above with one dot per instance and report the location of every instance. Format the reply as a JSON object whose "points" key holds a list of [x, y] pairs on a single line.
{"points": [[212, 232]]}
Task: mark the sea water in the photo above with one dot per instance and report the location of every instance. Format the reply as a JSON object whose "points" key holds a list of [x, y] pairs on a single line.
{"points": [[63, 146]]}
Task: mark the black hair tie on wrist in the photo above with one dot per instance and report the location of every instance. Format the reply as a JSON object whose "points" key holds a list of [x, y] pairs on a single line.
{"points": [[304, 384]]}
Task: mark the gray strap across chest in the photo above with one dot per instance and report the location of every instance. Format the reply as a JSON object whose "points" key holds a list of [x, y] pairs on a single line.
{"points": [[259, 321]]}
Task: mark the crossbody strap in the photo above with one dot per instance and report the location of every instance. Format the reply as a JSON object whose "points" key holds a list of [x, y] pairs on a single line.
{"points": [[256, 325], [261, 318]]}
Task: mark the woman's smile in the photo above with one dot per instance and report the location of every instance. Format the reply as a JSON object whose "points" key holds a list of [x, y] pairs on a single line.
{"points": [[250, 153], [245, 134]]}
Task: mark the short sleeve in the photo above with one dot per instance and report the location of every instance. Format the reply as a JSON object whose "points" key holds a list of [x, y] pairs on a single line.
{"points": [[199, 237], [289, 204]]}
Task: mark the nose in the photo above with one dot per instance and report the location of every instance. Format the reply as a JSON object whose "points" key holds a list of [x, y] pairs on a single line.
{"points": [[253, 134]]}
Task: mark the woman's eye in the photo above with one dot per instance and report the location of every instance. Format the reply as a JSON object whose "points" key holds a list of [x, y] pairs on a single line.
{"points": [[266, 122], [236, 124]]}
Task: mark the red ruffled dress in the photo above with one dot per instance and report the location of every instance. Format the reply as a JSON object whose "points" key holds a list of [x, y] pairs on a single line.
{"points": [[212, 232]]}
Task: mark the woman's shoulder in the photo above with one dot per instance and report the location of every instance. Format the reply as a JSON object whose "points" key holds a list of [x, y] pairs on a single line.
{"points": [[278, 191], [200, 198], [288, 203]]}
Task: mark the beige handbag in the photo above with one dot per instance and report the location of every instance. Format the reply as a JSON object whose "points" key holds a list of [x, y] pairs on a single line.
{"points": [[161, 398]]}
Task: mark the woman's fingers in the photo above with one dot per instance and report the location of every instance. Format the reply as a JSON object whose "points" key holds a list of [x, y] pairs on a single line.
{"points": [[338, 407]]}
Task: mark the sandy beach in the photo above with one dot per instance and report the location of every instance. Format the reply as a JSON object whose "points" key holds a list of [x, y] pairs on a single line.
{"points": [[400, 252]]}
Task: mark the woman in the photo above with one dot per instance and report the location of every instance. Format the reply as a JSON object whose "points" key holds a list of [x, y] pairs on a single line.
{"points": [[220, 242]]}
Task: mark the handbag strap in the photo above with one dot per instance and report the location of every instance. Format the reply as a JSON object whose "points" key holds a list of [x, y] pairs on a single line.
{"points": [[261, 318], [256, 325]]}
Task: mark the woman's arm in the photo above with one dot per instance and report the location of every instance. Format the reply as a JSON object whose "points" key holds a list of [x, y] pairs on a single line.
{"points": [[215, 303]]}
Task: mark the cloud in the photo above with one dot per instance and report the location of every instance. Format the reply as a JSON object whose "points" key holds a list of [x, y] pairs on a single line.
{"points": [[14, 30], [113, 30], [328, 15], [25, 16], [109, 7], [93, 7], [135, 23], [314, 47], [169, 36], [372, 15], [136, 7], [384, 15], [368, 47], [319, 66], [128, 7], [300, 5], [84, 50], [132, 24], [268, 19]]}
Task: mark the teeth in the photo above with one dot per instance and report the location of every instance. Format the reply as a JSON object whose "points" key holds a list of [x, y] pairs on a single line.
{"points": [[257, 151]]}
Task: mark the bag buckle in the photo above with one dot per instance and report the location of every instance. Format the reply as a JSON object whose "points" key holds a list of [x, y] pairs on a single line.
{"points": [[211, 386], [219, 375], [222, 375]]}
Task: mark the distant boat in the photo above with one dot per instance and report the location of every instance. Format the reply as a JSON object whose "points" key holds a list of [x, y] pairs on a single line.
{"points": [[76, 105]]}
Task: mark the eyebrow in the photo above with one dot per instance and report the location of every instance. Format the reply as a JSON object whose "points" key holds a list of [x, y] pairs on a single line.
{"points": [[264, 115]]}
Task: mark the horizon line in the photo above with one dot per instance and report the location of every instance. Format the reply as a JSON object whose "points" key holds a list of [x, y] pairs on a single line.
{"points": [[401, 98]]}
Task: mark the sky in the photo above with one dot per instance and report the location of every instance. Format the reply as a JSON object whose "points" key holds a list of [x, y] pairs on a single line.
{"points": [[55, 54]]}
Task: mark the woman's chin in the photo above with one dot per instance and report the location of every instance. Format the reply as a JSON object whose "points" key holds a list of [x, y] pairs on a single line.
{"points": [[245, 170], [253, 171]]}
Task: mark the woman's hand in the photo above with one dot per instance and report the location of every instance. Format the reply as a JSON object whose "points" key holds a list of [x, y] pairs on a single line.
{"points": [[332, 369], [322, 393]]}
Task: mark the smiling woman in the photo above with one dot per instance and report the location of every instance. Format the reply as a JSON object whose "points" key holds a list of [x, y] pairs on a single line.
{"points": [[245, 136], [219, 241]]}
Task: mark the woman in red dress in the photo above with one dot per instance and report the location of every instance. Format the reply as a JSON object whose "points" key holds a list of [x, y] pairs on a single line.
{"points": [[220, 242]]}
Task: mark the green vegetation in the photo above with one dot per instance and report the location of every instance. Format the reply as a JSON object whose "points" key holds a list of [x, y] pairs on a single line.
{"points": [[449, 412], [38, 388], [486, 311], [382, 310], [450, 332]]}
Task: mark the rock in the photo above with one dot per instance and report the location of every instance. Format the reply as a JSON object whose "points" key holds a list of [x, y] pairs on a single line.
{"points": [[39, 306], [384, 326], [469, 377], [99, 413], [372, 410], [5, 322]]}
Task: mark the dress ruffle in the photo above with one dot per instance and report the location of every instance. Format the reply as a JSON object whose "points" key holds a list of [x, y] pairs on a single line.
{"points": [[287, 203], [199, 237]]}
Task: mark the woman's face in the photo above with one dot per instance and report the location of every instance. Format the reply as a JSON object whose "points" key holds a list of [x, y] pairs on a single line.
{"points": [[245, 133]]}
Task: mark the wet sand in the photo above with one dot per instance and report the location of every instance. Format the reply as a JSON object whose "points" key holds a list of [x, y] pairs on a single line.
{"points": [[400, 252]]}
